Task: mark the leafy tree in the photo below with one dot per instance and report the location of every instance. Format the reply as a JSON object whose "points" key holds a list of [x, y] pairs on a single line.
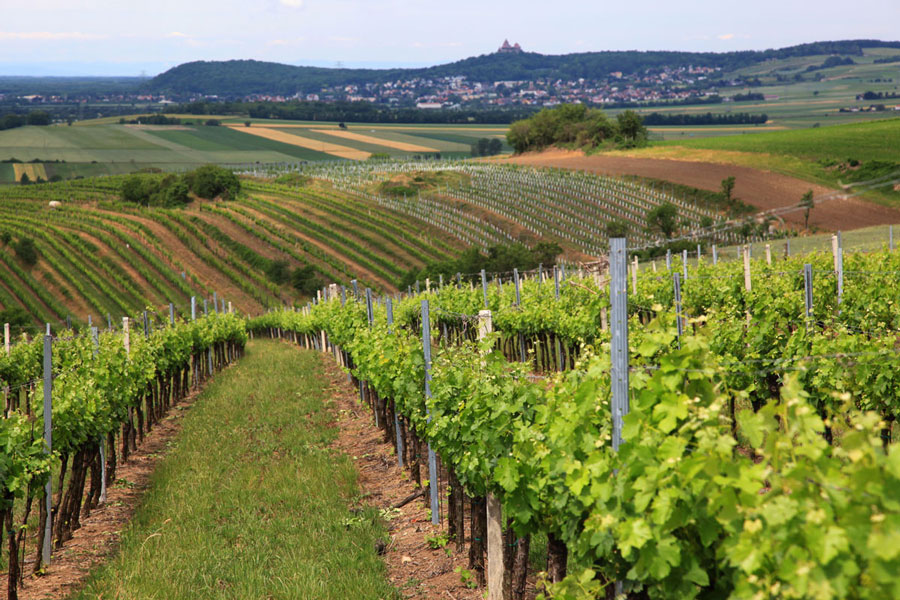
{"points": [[807, 203], [25, 179], [153, 189], [176, 193], [728, 191], [247, 123], [631, 126], [26, 251], [487, 147], [213, 181], [663, 219], [574, 124]]}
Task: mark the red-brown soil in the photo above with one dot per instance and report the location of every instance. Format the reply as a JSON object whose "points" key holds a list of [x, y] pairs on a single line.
{"points": [[415, 569], [762, 189]]}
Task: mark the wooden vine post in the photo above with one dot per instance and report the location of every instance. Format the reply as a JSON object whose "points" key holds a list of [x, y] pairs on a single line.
{"points": [[495, 563]]}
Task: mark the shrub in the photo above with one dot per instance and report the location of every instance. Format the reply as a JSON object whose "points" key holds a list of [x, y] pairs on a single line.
{"points": [[15, 316], [305, 280], [278, 272], [26, 251]]}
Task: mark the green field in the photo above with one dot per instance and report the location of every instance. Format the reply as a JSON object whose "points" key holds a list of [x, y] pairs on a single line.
{"points": [[878, 140]]}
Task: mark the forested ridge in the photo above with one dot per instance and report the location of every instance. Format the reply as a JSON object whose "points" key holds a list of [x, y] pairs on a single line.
{"points": [[242, 77]]}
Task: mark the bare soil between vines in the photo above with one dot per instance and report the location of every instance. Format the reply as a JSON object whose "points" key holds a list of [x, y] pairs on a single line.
{"points": [[415, 569]]}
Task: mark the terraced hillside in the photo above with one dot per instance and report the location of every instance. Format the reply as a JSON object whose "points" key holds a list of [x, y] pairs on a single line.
{"points": [[98, 256]]}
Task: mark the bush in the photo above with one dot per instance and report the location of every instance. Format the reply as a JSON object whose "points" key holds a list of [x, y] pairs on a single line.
{"points": [[26, 251], [305, 280], [15, 316], [151, 189], [575, 124], [278, 272], [213, 122]]}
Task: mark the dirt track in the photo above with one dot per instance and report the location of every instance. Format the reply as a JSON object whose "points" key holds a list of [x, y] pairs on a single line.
{"points": [[762, 189]]}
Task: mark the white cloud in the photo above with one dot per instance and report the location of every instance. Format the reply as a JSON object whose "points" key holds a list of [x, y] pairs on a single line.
{"points": [[292, 3], [282, 42], [176, 34], [49, 35], [725, 36]]}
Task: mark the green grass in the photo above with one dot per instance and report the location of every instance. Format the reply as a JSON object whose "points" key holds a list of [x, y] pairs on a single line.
{"points": [[252, 503], [877, 140]]}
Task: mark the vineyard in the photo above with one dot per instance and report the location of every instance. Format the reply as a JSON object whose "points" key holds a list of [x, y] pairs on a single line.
{"points": [[93, 396], [487, 202], [710, 430], [101, 258]]}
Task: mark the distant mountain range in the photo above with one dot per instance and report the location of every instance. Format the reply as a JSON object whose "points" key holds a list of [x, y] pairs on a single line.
{"points": [[238, 78]]}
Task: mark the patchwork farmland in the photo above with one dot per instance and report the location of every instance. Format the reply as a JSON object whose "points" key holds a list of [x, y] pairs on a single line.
{"points": [[104, 147]]}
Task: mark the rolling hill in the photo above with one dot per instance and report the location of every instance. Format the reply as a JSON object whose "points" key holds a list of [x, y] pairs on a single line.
{"points": [[370, 221], [243, 77]]}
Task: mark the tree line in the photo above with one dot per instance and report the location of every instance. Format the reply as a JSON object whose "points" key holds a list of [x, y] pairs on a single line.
{"points": [[704, 119], [349, 112], [34, 117]]}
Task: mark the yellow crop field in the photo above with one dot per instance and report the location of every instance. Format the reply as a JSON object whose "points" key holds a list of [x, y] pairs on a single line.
{"points": [[296, 140], [34, 171], [349, 135]]}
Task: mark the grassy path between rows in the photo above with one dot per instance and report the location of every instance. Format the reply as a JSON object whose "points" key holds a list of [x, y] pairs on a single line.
{"points": [[251, 502]]}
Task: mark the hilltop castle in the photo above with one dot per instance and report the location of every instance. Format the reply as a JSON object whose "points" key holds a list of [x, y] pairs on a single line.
{"points": [[507, 49]]}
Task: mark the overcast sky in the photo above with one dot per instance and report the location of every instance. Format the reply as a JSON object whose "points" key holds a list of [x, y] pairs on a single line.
{"points": [[127, 37]]}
